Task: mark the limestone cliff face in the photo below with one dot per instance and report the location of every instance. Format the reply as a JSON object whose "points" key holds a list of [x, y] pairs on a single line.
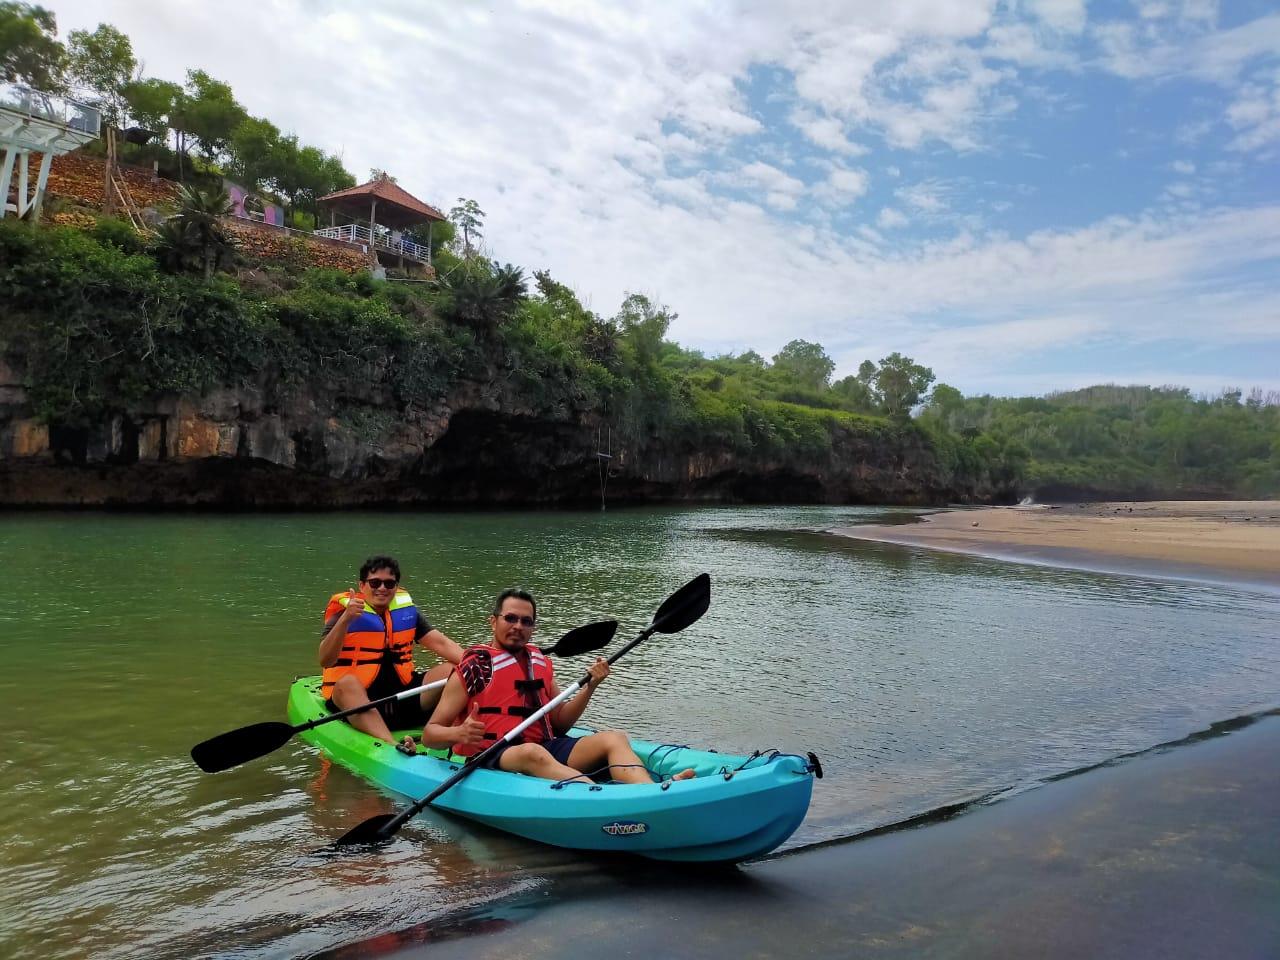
{"points": [[259, 446]]}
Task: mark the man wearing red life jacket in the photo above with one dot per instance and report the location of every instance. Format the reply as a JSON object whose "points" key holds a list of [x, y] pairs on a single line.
{"points": [[521, 680], [367, 653]]}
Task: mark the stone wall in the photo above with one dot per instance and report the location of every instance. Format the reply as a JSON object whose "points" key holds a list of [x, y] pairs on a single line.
{"points": [[261, 243]]}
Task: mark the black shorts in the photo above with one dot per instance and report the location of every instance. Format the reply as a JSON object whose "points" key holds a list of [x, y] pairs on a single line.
{"points": [[406, 715], [558, 747]]}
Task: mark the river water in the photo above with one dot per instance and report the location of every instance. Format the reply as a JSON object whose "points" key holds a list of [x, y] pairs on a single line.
{"points": [[921, 679]]}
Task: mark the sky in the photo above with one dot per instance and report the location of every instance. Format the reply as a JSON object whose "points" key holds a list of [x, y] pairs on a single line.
{"points": [[1024, 196]]}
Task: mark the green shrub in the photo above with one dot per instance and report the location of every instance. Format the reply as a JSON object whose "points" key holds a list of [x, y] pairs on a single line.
{"points": [[120, 234]]}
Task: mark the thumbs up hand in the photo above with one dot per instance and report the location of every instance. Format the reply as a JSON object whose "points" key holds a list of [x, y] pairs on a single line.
{"points": [[471, 730]]}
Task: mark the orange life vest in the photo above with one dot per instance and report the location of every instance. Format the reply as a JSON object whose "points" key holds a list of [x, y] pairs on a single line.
{"points": [[372, 641], [519, 687]]}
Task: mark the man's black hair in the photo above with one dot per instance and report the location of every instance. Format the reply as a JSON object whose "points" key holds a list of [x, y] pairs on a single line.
{"points": [[379, 563], [518, 594]]}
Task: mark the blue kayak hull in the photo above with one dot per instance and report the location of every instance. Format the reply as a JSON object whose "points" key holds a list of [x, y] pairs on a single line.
{"points": [[735, 809]]}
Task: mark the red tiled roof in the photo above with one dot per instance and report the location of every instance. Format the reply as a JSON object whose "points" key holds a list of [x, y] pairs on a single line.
{"points": [[387, 191]]}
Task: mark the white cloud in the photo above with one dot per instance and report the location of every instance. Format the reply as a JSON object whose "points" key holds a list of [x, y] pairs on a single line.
{"points": [[1184, 167], [781, 190], [890, 218], [848, 183], [1186, 46], [1255, 115], [926, 197], [1067, 16], [826, 132]]}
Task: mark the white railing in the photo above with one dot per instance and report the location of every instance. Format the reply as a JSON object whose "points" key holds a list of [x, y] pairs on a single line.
{"points": [[358, 234], [49, 107]]}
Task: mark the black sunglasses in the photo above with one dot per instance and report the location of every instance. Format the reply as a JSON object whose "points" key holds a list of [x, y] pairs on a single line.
{"points": [[377, 583], [514, 618]]}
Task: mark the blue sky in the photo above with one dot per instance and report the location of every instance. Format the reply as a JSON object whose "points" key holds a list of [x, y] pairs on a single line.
{"points": [[1025, 196]]}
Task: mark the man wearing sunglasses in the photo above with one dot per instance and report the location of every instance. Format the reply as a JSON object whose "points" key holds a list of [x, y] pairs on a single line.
{"points": [[498, 686], [367, 653]]}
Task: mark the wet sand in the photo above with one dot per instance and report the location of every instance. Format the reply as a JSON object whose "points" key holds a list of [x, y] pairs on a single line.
{"points": [[1174, 853], [1223, 541]]}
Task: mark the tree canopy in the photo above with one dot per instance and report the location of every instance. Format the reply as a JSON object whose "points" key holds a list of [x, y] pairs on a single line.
{"points": [[102, 63], [30, 52]]}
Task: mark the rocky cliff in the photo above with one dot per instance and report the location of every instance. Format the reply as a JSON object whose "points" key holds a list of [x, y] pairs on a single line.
{"points": [[258, 446]]}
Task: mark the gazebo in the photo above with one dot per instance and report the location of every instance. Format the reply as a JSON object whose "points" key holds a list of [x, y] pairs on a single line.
{"points": [[375, 214]]}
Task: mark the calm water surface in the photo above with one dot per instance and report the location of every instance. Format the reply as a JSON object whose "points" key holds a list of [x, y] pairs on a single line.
{"points": [[921, 679]]}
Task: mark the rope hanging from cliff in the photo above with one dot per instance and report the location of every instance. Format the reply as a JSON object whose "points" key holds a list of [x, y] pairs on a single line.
{"points": [[602, 461]]}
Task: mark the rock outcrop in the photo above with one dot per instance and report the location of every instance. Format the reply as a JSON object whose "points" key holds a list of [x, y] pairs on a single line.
{"points": [[253, 446]]}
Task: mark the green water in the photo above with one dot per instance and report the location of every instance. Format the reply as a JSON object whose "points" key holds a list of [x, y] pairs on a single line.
{"points": [[921, 679]]}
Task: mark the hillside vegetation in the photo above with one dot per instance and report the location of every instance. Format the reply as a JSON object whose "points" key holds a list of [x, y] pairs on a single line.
{"points": [[97, 326]]}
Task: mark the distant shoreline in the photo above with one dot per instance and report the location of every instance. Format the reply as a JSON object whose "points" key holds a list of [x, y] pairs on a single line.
{"points": [[1208, 540]]}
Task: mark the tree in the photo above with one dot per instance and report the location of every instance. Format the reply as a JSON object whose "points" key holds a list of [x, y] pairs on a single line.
{"points": [[285, 167], [253, 148], [469, 218], [900, 383], [151, 102], [945, 402], [103, 63], [642, 325], [210, 114], [29, 49], [855, 394], [441, 233], [195, 235], [805, 363], [483, 295]]}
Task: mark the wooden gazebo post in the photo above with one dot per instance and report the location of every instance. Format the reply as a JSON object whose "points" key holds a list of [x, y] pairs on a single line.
{"points": [[373, 210]]}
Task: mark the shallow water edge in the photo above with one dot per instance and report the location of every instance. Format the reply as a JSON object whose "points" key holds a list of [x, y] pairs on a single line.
{"points": [[1166, 852]]}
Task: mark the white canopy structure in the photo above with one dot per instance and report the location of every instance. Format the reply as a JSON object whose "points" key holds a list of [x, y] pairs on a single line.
{"points": [[32, 121]]}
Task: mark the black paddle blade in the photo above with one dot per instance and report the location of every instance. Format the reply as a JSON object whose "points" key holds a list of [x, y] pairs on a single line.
{"points": [[370, 831], [684, 607], [584, 639], [235, 747]]}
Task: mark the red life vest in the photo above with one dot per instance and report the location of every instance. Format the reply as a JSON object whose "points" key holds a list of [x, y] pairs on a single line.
{"points": [[372, 641], [520, 685]]}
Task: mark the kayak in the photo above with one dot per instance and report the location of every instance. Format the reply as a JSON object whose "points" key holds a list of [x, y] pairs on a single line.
{"points": [[736, 808]]}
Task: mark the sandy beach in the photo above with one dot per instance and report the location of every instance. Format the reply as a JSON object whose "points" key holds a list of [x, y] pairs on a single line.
{"points": [[1213, 540]]}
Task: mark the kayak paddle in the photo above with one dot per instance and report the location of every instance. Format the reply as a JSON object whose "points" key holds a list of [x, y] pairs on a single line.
{"points": [[678, 611], [235, 747]]}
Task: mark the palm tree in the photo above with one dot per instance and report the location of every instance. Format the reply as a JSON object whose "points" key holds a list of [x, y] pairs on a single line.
{"points": [[199, 217], [483, 296]]}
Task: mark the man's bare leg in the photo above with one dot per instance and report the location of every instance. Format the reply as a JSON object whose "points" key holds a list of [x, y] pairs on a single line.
{"points": [[534, 760], [613, 748], [348, 693]]}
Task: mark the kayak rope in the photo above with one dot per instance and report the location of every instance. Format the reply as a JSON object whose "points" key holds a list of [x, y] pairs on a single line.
{"points": [[595, 773], [584, 778], [767, 757], [654, 761]]}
